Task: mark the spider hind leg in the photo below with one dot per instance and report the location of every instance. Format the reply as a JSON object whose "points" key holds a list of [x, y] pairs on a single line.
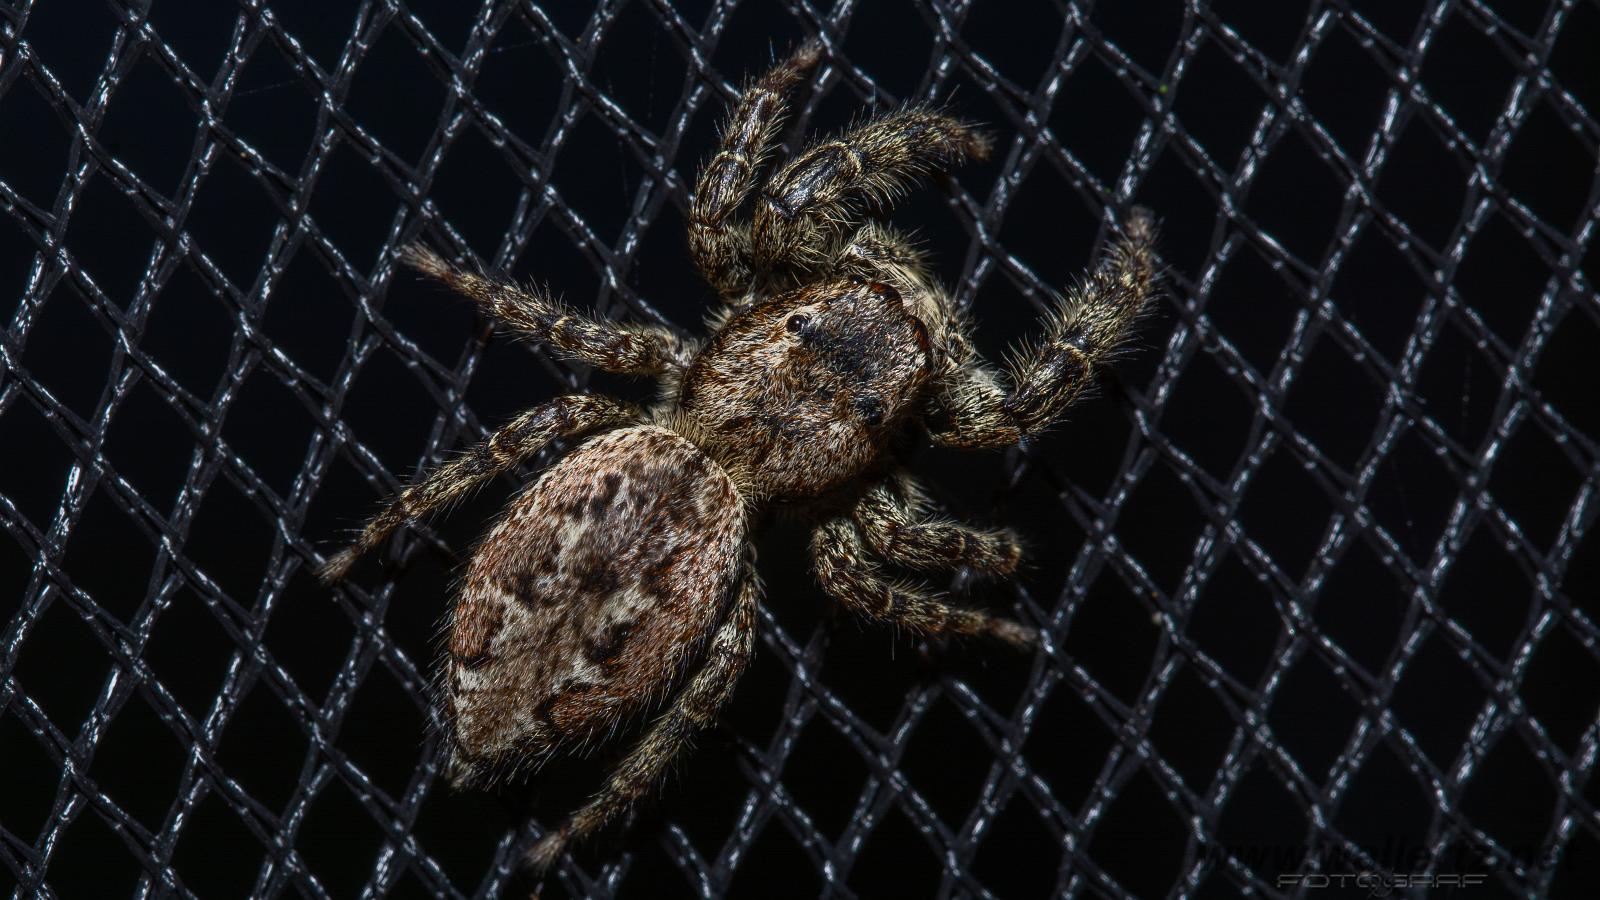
{"points": [[670, 736]]}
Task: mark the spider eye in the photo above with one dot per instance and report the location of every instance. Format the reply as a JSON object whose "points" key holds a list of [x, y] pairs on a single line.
{"points": [[871, 410], [796, 323]]}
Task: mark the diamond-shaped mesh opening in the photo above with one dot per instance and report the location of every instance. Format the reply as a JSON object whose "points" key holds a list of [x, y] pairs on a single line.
{"points": [[1318, 562]]}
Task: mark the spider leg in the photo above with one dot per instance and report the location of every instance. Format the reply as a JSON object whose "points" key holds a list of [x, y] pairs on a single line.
{"points": [[815, 193], [878, 252], [896, 526], [720, 245], [611, 346], [844, 570], [695, 708], [875, 249], [1045, 379], [517, 440]]}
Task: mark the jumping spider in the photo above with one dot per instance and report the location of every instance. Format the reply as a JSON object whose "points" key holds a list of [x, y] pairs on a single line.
{"points": [[621, 580]]}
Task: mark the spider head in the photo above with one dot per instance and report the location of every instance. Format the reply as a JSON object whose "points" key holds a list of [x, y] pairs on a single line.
{"points": [[852, 348], [803, 389]]}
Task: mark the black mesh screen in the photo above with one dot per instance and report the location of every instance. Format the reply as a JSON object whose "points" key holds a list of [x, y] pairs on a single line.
{"points": [[1317, 563]]}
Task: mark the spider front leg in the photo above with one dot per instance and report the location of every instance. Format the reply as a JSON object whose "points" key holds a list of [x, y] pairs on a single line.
{"points": [[719, 244], [814, 195], [845, 571], [519, 439], [695, 709], [1085, 332], [609, 346], [895, 524]]}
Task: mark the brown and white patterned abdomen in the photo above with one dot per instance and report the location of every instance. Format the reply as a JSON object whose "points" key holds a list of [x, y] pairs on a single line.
{"points": [[589, 599]]}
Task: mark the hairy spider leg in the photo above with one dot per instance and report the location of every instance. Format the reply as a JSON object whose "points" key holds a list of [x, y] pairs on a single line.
{"points": [[719, 244], [1045, 378], [514, 442], [876, 249], [626, 349]]}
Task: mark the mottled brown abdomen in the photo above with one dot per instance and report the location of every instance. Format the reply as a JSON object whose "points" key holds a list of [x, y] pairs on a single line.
{"points": [[590, 597]]}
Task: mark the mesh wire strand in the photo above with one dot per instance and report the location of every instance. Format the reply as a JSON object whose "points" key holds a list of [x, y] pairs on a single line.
{"points": [[1161, 536]]}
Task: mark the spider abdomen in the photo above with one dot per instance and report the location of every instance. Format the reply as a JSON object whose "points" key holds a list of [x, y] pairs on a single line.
{"points": [[589, 597]]}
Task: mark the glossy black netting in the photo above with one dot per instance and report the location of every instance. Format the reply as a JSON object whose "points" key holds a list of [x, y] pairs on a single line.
{"points": [[1317, 562]]}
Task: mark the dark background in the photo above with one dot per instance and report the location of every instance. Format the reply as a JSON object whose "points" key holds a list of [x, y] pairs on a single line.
{"points": [[1317, 563]]}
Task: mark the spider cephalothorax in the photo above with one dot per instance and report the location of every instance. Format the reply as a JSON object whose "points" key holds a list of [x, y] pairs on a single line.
{"points": [[799, 392], [620, 582]]}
